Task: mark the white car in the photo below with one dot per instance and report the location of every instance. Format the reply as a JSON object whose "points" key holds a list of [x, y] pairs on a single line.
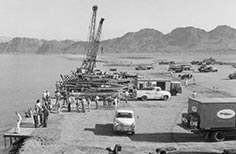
{"points": [[124, 121]]}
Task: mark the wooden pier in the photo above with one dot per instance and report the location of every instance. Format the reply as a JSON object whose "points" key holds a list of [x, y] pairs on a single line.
{"points": [[26, 130]]}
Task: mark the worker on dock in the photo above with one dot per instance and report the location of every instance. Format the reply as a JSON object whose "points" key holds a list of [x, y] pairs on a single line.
{"points": [[35, 116], [194, 94], [115, 103], [77, 103], [88, 102], [58, 101], [70, 101], [83, 102], [126, 96], [39, 111], [45, 116], [48, 100], [96, 99], [19, 119], [109, 102]]}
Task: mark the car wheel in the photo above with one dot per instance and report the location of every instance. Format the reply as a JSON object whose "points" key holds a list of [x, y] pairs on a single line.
{"points": [[173, 92], [218, 136], [165, 97], [144, 98]]}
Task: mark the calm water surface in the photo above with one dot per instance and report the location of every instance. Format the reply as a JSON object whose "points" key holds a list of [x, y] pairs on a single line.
{"points": [[22, 80]]}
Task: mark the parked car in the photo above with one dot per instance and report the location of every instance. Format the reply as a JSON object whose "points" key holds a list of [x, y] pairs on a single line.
{"points": [[207, 68], [124, 121], [176, 68], [232, 76], [186, 67], [144, 67], [166, 62], [140, 67]]}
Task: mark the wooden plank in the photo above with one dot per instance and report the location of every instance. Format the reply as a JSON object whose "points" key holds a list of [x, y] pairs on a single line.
{"points": [[24, 133]]}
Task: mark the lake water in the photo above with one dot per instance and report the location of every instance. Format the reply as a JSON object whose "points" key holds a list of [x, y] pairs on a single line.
{"points": [[22, 80]]}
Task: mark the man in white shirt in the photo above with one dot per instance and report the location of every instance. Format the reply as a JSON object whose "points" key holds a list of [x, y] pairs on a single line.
{"points": [[19, 119]]}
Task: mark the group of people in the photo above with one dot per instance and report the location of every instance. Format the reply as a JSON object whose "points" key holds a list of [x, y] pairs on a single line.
{"points": [[41, 110], [40, 114], [80, 103]]}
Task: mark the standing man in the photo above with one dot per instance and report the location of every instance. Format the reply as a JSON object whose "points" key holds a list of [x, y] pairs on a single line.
{"points": [[83, 103], [39, 111], [194, 80], [48, 100], [115, 103], [58, 101], [44, 97], [96, 101], [89, 102], [36, 119], [45, 116], [71, 100], [77, 103], [19, 119], [126, 96], [194, 94], [186, 83]]}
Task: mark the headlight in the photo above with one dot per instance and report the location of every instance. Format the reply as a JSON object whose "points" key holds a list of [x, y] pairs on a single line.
{"points": [[133, 125], [116, 123]]}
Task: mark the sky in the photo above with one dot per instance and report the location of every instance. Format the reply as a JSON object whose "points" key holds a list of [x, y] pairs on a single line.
{"points": [[70, 19]]}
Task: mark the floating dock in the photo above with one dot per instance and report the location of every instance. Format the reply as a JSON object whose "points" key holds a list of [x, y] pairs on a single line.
{"points": [[26, 130]]}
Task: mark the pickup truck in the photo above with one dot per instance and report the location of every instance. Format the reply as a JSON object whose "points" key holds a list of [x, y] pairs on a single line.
{"points": [[152, 93]]}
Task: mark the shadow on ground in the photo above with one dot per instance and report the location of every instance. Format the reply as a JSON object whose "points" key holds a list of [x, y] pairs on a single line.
{"points": [[101, 129], [106, 130], [167, 137]]}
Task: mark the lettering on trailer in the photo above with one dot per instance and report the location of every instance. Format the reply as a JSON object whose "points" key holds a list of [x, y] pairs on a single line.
{"points": [[226, 114], [194, 108]]}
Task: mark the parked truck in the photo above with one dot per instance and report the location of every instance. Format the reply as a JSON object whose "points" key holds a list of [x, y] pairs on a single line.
{"points": [[152, 93], [174, 87], [214, 118]]}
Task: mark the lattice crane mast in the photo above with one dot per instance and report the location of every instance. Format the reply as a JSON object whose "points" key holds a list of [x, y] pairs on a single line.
{"points": [[93, 45]]}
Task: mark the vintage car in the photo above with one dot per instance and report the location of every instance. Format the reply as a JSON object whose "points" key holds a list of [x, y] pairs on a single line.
{"points": [[232, 76], [124, 121]]}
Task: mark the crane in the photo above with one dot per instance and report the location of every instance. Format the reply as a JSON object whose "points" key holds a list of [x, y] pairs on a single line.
{"points": [[93, 44]]}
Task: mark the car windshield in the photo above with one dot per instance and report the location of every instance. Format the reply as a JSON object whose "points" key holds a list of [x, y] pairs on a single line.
{"points": [[124, 115]]}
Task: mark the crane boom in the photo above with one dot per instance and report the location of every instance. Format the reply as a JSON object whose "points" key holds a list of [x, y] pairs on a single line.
{"points": [[92, 56], [93, 44], [93, 23]]}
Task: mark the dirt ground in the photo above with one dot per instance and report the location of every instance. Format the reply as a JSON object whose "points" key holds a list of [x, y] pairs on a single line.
{"points": [[156, 121]]}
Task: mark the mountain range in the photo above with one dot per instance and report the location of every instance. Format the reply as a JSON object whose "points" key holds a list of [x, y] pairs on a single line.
{"points": [[222, 38]]}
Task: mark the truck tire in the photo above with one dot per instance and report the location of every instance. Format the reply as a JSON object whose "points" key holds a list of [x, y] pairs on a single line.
{"points": [[165, 97], [218, 136], [173, 93], [144, 98]]}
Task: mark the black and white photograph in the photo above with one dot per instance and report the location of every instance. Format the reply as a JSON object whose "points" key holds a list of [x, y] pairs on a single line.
{"points": [[118, 77]]}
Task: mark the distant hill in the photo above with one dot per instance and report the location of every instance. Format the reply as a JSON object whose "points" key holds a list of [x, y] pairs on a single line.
{"points": [[5, 39], [222, 38]]}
